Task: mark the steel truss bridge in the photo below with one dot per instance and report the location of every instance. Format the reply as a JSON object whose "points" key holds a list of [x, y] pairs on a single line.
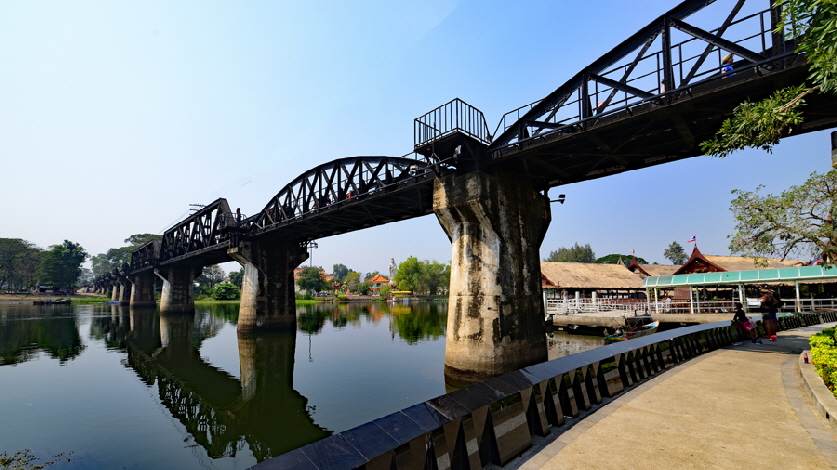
{"points": [[650, 100]]}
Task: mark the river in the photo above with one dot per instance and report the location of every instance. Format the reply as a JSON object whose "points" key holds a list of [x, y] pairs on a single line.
{"points": [[131, 388]]}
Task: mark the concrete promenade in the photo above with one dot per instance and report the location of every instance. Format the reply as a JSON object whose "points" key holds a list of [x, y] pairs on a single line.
{"points": [[737, 407]]}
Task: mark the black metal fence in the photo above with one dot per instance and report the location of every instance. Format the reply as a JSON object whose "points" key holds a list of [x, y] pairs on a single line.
{"points": [[453, 116], [492, 422]]}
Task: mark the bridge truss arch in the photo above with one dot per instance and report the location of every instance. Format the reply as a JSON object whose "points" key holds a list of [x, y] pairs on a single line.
{"points": [[354, 186]]}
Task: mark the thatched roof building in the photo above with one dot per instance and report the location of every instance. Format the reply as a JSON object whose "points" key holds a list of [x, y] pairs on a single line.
{"points": [[589, 277]]}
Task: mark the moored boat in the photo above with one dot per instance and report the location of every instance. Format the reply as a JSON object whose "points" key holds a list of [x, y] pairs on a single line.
{"points": [[632, 333]]}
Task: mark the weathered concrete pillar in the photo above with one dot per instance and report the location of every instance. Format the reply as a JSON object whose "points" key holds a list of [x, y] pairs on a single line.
{"points": [[114, 292], [178, 292], [496, 225], [267, 289], [142, 289], [124, 296]]}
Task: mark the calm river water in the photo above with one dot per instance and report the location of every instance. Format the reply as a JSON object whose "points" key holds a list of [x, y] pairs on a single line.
{"points": [[133, 389]]}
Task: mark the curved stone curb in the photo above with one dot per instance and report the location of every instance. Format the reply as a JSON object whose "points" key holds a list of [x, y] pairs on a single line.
{"points": [[821, 396]]}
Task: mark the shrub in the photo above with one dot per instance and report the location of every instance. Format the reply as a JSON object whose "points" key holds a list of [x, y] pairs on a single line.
{"points": [[225, 291], [824, 357]]}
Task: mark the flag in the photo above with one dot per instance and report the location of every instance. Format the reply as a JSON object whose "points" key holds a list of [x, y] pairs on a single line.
{"points": [[632, 251], [693, 239]]}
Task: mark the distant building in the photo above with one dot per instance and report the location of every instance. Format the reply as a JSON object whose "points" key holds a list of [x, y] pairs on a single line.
{"points": [[378, 281]]}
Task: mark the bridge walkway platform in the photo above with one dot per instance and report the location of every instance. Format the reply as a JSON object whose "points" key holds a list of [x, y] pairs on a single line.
{"points": [[739, 407]]}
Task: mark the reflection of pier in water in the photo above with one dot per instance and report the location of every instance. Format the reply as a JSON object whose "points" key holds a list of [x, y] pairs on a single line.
{"points": [[218, 410]]}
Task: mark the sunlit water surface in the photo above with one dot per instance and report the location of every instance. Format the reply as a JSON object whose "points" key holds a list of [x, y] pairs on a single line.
{"points": [[130, 388]]}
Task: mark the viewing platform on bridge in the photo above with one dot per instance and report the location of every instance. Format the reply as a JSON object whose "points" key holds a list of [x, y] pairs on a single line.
{"points": [[742, 406]]}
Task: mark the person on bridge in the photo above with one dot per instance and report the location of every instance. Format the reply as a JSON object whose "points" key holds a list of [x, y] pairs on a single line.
{"points": [[726, 66]]}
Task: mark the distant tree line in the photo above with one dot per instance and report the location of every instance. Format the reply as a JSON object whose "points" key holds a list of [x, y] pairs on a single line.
{"points": [[24, 265]]}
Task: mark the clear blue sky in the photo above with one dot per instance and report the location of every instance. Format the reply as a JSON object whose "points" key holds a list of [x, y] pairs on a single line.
{"points": [[115, 116]]}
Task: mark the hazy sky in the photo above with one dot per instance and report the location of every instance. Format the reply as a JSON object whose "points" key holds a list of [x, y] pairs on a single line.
{"points": [[115, 116]]}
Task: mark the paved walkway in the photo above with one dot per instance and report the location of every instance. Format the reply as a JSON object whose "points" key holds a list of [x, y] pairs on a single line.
{"points": [[737, 407]]}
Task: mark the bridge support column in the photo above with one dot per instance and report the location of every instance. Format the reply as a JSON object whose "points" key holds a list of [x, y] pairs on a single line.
{"points": [[124, 296], [178, 293], [496, 225], [142, 290], [267, 289], [114, 291]]}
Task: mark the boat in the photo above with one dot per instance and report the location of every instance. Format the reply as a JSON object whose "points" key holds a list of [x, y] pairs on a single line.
{"points": [[631, 333]]}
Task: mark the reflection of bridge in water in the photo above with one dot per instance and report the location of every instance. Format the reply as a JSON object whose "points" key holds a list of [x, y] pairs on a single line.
{"points": [[221, 412], [649, 101]]}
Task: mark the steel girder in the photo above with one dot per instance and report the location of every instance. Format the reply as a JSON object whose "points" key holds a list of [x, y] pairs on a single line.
{"points": [[650, 67]]}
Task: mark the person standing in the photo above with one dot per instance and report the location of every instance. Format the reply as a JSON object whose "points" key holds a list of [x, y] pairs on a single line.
{"points": [[768, 313]]}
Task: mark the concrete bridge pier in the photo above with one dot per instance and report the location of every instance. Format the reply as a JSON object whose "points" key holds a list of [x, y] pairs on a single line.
{"points": [[178, 294], [267, 288], [114, 292], [496, 224], [124, 291], [142, 290]]}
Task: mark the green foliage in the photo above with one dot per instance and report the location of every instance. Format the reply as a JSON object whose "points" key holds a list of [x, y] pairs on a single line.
{"points": [[339, 272], [675, 253], [422, 276], [210, 276], [61, 264], [370, 275], [311, 279], [576, 254], [115, 257], [614, 258], [824, 358], [226, 291], [19, 261], [352, 281], [237, 277], [761, 125], [801, 218], [383, 292], [24, 460]]}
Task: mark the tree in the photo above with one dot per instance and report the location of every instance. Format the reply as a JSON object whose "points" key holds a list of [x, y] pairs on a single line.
{"points": [[225, 291], [115, 257], [210, 276], [409, 275], [339, 272], [85, 278], [675, 253], [237, 277], [352, 281], [577, 254], [762, 124], [311, 279], [61, 264], [801, 218], [614, 258], [435, 276], [19, 262]]}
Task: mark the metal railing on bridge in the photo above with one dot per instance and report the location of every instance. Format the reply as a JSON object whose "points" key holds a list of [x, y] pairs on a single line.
{"points": [[669, 56], [453, 116]]}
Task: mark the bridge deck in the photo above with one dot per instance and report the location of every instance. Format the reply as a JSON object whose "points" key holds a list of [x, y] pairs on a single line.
{"points": [[738, 407]]}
